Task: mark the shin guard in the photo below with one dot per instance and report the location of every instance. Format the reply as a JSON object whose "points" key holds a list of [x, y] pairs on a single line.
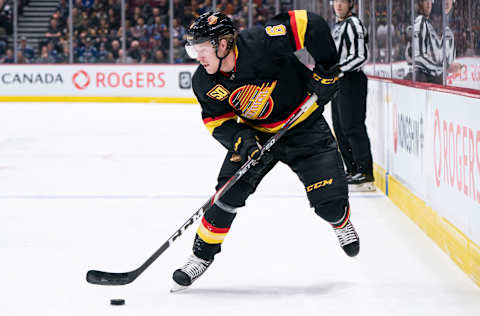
{"points": [[212, 230]]}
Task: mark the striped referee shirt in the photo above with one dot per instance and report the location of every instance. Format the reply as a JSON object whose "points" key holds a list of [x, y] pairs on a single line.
{"points": [[428, 48], [351, 40]]}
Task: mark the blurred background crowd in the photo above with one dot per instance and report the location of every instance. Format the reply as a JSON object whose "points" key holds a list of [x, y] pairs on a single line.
{"points": [[149, 31], [97, 30], [463, 19]]}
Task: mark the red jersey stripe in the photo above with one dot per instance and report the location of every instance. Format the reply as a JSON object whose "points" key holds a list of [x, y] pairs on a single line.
{"points": [[293, 25], [214, 229], [212, 119]]}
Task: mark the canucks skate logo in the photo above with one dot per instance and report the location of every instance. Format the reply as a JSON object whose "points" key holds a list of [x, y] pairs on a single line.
{"points": [[212, 20], [254, 102]]}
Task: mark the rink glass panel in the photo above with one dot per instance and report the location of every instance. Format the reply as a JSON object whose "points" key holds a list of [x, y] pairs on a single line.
{"points": [[401, 40], [368, 19], [380, 38], [463, 20], [138, 31]]}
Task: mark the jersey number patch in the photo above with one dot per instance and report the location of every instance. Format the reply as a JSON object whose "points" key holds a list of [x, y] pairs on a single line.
{"points": [[276, 30], [218, 93]]}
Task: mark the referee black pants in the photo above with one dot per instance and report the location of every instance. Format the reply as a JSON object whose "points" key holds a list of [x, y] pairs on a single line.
{"points": [[349, 109]]}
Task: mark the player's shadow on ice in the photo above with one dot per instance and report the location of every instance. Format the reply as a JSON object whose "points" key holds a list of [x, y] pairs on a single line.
{"points": [[313, 290]]}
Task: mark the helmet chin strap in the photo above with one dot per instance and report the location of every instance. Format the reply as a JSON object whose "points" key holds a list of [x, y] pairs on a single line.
{"points": [[220, 63], [221, 58]]}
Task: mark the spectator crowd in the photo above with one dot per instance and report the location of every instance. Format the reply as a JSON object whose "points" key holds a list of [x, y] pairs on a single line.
{"points": [[97, 30], [6, 27]]}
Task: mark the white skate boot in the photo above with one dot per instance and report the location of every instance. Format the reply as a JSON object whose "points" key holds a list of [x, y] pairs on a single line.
{"points": [[348, 238], [361, 182], [187, 274]]}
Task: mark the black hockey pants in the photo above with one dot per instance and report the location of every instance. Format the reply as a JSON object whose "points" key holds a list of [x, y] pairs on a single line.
{"points": [[348, 116], [310, 150]]}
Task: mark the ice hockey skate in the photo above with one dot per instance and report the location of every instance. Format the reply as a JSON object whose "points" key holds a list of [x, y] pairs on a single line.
{"points": [[361, 182], [348, 238], [186, 275]]}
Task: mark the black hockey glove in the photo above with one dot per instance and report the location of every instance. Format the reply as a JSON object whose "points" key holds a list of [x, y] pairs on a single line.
{"points": [[246, 146], [324, 83]]}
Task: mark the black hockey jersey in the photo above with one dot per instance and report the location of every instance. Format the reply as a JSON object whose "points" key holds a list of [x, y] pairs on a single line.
{"points": [[268, 82]]}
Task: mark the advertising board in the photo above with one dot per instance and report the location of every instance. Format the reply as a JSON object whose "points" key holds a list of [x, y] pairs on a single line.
{"points": [[452, 158], [407, 135], [97, 80]]}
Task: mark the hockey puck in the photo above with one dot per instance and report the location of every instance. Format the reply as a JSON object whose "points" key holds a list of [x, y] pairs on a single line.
{"points": [[117, 301]]}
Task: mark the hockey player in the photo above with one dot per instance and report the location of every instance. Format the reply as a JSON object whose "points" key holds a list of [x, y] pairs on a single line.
{"points": [[248, 84], [350, 105]]}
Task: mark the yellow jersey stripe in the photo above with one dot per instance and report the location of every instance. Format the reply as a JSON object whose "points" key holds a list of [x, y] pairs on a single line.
{"points": [[301, 20], [212, 125], [210, 237]]}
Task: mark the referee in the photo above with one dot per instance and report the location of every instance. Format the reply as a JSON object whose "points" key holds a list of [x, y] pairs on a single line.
{"points": [[428, 49], [350, 105]]}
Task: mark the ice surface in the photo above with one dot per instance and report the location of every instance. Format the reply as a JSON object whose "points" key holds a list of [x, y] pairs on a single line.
{"points": [[102, 186]]}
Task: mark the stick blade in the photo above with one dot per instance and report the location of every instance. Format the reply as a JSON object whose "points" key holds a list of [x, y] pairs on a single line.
{"points": [[109, 278]]}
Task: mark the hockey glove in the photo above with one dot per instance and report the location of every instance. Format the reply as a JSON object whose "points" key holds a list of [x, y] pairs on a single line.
{"points": [[246, 146], [324, 83]]}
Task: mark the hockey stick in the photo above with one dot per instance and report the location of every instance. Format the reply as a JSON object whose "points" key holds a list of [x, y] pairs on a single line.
{"points": [[122, 278]]}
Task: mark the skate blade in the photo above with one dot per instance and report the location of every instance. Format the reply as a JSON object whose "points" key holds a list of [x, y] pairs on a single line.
{"points": [[364, 187], [177, 288]]}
